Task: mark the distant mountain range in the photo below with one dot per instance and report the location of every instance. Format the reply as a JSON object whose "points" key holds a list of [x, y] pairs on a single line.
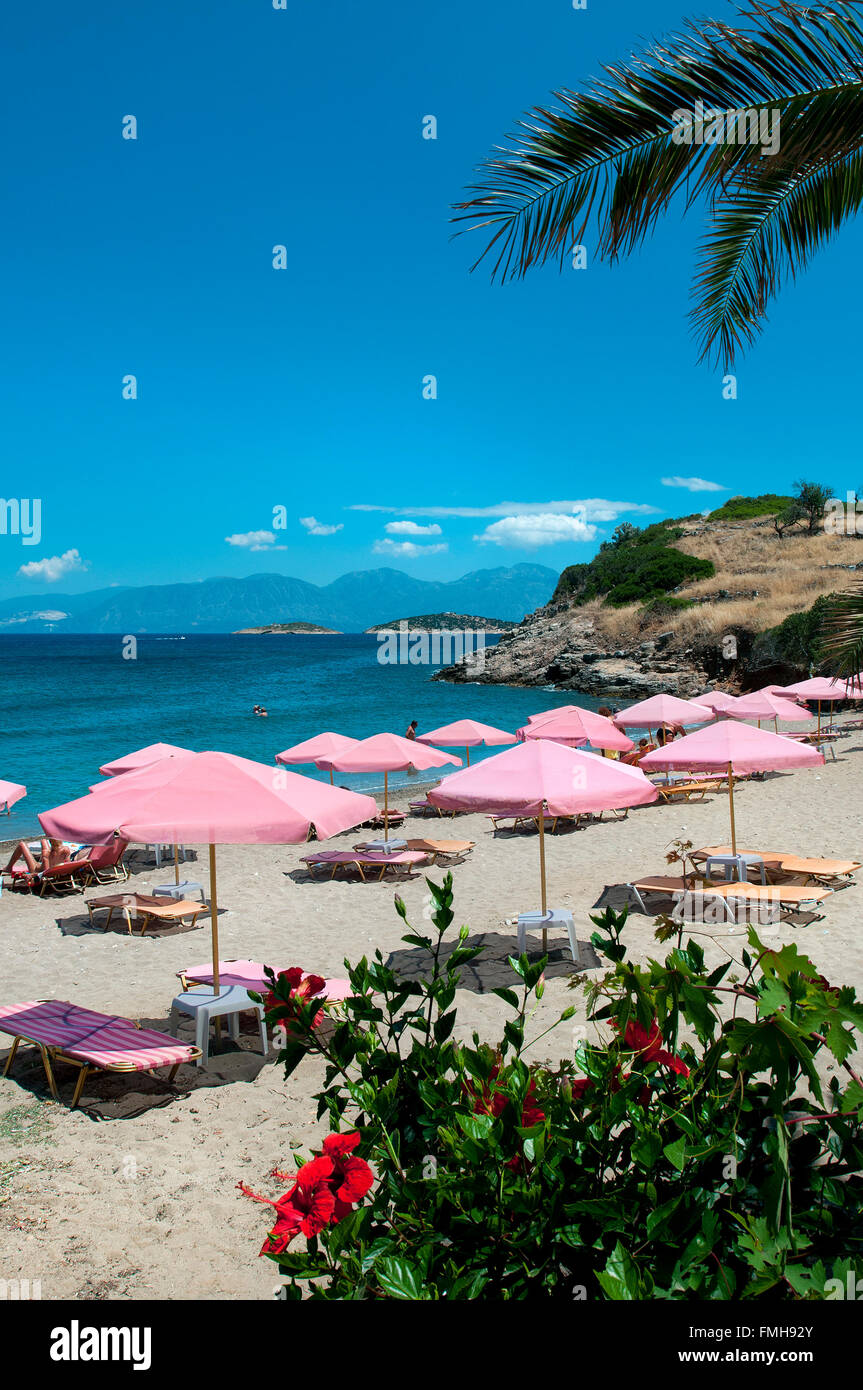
{"points": [[351, 603]]}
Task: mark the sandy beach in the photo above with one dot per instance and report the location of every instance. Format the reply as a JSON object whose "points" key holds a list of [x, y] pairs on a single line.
{"points": [[133, 1196]]}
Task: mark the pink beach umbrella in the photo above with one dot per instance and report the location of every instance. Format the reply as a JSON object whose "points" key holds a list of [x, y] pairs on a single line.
{"points": [[663, 709], [466, 734], [717, 700], [819, 689], [733, 748], [388, 753], [317, 750], [10, 792], [759, 705], [144, 757], [211, 798], [777, 690], [543, 777], [574, 727]]}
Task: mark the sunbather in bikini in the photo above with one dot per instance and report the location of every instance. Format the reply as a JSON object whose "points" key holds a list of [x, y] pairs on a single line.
{"points": [[54, 852]]}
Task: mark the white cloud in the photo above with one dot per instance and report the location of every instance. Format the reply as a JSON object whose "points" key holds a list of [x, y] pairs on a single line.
{"points": [[592, 508], [410, 528], [694, 484], [530, 532], [255, 540], [406, 550], [53, 568], [319, 528]]}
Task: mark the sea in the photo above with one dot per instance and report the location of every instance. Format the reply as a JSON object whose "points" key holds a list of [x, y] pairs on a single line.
{"points": [[71, 703]]}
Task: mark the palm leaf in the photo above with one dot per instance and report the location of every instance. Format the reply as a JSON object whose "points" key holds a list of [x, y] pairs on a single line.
{"points": [[607, 158], [842, 632], [762, 235]]}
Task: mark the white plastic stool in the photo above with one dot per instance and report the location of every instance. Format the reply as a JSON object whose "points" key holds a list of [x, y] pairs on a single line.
{"points": [[735, 866], [539, 921], [204, 1006], [178, 890]]}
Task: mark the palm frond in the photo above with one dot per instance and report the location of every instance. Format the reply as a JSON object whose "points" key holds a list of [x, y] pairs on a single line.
{"points": [[762, 235], [608, 158], [842, 632]]}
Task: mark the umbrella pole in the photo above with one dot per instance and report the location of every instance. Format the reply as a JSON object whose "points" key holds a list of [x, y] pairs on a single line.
{"points": [[176, 863], [467, 755], [214, 923], [331, 778], [819, 718], [731, 808], [386, 807], [542, 870]]}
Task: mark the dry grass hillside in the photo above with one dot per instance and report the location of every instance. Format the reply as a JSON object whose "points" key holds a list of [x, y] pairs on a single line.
{"points": [[759, 581]]}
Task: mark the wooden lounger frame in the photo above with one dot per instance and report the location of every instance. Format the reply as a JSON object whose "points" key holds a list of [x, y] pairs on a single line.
{"points": [[147, 914], [357, 863]]}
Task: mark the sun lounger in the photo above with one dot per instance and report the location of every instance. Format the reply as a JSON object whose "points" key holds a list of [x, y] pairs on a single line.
{"points": [[249, 974], [787, 897], [393, 817], [146, 907], [336, 859], [428, 808], [834, 873], [63, 1032], [689, 791], [521, 820], [91, 864], [443, 851], [105, 862]]}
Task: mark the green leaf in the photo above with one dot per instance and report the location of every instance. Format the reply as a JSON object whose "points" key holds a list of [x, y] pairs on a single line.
{"points": [[399, 1278], [475, 1126], [676, 1153], [620, 1278]]}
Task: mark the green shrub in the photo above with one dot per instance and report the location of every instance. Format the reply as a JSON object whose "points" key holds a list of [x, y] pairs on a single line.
{"points": [[745, 508], [639, 566], [694, 1154], [795, 642]]}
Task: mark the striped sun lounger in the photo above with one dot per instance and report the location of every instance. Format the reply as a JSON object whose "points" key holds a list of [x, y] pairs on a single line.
{"points": [[64, 1032], [249, 974]]}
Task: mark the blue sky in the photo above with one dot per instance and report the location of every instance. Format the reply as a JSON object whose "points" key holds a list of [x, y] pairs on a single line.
{"points": [[302, 388]]}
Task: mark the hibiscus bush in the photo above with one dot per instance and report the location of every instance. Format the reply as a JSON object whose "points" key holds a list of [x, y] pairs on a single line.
{"points": [[701, 1140]]}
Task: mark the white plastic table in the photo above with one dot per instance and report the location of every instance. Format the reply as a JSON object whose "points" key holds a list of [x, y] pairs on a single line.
{"points": [[178, 890], [539, 921], [205, 1006]]}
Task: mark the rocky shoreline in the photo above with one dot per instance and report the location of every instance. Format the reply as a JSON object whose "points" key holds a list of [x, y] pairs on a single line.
{"points": [[562, 647]]}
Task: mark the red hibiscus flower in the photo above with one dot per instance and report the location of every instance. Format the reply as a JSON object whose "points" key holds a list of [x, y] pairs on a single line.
{"points": [[648, 1045], [323, 1192], [302, 990], [305, 1210], [352, 1176]]}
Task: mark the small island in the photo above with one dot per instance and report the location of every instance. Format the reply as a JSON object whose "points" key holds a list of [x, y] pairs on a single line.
{"points": [[445, 622], [288, 629]]}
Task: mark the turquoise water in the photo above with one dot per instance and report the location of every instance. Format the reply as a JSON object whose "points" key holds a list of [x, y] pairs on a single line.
{"points": [[71, 703]]}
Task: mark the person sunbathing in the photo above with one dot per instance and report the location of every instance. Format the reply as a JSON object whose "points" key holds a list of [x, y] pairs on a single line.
{"points": [[53, 852], [634, 758]]}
